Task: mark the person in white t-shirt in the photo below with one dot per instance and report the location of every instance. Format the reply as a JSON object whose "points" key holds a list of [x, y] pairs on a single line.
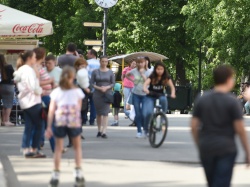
{"points": [[93, 64], [54, 71], [65, 106]]}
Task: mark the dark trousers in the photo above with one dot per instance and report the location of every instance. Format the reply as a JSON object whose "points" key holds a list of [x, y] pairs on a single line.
{"points": [[218, 169], [33, 121], [92, 112]]}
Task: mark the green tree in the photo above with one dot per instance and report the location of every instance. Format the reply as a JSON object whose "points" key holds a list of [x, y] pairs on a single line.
{"points": [[134, 25], [153, 26], [223, 28], [67, 17]]}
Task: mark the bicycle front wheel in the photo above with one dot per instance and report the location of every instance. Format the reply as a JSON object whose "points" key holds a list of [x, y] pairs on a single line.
{"points": [[158, 129]]}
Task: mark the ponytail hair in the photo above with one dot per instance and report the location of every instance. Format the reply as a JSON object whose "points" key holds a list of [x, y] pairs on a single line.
{"points": [[23, 57], [67, 74]]}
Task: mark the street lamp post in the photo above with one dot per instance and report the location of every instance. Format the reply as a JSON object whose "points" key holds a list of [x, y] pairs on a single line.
{"points": [[105, 4], [105, 28], [200, 63]]}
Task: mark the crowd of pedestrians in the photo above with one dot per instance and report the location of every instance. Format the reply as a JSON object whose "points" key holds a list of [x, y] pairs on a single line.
{"points": [[56, 99]]}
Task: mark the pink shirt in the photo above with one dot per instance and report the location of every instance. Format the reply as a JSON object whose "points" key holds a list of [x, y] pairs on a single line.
{"points": [[127, 83], [47, 89]]}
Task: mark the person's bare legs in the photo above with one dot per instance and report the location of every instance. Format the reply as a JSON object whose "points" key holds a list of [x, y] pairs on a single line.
{"points": [[78, 150], [104, 124], [99, 122], [57, 159], [78, 159], [3, 115], [6, 115], [58, 153]]}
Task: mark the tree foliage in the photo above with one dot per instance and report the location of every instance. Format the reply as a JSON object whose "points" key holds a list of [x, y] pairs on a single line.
{"points": [[223, 28], [172, 28]]}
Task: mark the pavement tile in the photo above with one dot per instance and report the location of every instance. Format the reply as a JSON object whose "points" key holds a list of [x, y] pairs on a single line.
{"points": [[2, 176]]}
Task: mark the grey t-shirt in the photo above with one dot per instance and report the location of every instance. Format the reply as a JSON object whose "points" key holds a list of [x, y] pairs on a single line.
{"points": [[217, 113], [138, 81], [66, 60]]}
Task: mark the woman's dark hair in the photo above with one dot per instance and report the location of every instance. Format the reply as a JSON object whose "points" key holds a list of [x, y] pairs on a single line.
{"points": [[222, 73], [164, 77], [23, 57], [40, 53], [102, 57], [130, 62], [67, 73], [149, 62], [2, 67]]}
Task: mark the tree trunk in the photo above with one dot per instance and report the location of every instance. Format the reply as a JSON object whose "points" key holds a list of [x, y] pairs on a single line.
{"points": [[180, 72]]}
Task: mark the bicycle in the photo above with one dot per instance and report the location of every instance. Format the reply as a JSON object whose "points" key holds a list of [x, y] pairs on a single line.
{"points": [[158, 125]]}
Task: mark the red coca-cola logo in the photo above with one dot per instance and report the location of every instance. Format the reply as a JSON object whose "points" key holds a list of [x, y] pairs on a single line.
{"points": [[33, 28], [0, 13]]}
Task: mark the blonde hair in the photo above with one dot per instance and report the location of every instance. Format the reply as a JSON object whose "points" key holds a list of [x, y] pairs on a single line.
{"points": [[67, 74], [140, 60], [80, 61]]}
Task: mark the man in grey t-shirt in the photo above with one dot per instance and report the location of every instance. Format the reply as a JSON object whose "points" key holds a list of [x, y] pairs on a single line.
{"points": [[69, 58]]}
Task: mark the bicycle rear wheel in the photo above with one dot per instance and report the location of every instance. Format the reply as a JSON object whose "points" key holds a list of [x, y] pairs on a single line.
{"points": [[158, 129]]}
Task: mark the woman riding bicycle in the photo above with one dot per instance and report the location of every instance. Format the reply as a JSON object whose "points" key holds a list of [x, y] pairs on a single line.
{"points": [[155, 86]]}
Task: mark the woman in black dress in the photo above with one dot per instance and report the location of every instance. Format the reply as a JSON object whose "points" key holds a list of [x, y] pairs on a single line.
{"points": [[6, 90]]}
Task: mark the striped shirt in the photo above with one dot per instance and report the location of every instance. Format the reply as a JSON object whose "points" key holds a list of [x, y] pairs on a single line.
{"points": [[44, 76]]}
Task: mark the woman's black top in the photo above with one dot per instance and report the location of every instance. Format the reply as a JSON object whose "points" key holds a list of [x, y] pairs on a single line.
{"points": [[157, 90], [9, 75]]}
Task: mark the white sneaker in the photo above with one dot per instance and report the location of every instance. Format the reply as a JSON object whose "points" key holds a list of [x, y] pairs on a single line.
{"points": [[146, 135], [139, 135]]}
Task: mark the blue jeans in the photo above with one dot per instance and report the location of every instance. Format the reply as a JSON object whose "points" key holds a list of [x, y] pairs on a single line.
{"points": [[149, 104], [126, 93], [33, 121], [46, 101], [218, 169], [92, 112], [140, 112]]}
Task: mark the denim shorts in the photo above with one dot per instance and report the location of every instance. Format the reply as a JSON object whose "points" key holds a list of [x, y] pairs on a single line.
{"points": [[61, 132]]}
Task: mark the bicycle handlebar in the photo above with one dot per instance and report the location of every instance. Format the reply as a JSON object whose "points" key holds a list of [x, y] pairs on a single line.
{"points": [[155, 94]]}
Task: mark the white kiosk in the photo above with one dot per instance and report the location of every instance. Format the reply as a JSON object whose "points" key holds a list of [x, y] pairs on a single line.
{"points": [[15, 29], [18, 32]]}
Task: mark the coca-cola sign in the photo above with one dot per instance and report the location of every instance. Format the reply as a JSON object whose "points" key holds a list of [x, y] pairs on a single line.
{"points": [[1, 12], [33, 28]]}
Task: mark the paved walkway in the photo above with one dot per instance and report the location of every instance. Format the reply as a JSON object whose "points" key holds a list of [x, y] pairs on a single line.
{"points": [[120, 173], [2, 176], [120, 161]]}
